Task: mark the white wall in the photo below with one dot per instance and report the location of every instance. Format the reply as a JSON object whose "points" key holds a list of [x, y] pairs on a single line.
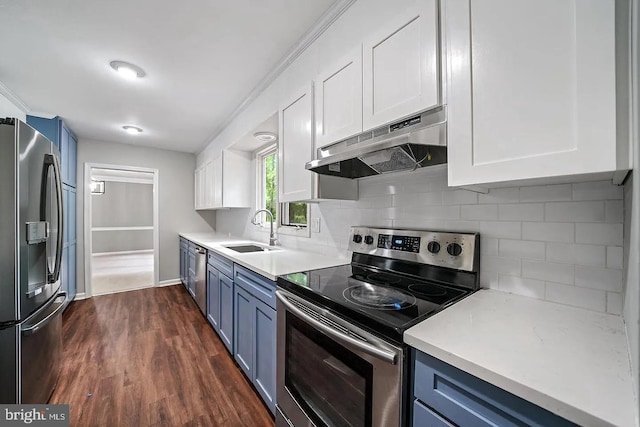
{"points": [[560, 243], [9, 109], [176, 213]]}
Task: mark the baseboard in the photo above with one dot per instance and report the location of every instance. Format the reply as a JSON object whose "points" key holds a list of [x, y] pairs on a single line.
{"points": [[169, 282], [142, 251], [80, 296]]}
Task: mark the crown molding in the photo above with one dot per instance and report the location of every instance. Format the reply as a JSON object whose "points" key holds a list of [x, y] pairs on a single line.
{"points": [[329, 17], [15, 99]]}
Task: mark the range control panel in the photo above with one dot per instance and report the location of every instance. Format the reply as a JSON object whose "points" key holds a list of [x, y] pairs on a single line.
{"points": [[399, 243], [453, 250]]}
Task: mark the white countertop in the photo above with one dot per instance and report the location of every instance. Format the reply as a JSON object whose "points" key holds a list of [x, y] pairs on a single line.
{"points": [[269, 264], [570, 361]]}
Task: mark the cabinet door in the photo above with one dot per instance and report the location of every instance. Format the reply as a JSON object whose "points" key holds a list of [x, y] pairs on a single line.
{"points": [[213, 297], [72, 167], [181, 265], [208, 184], [265, 353], [71, 215], [243, 332], [71, 272], [338, 99], [226, 311], [64, 153], [296, 147], [65, 213], [401, 70], [217, 181], [531, 89]]}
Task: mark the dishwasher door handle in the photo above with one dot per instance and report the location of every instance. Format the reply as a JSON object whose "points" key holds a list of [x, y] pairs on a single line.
{"points": [[201, 251]]}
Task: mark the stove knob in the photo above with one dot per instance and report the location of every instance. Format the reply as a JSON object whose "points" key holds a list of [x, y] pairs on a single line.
{"points": [[454, 249], [433, 247], [368, 240], [357, 238]]}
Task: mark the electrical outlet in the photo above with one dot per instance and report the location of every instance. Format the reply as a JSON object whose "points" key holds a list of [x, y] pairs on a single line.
{"points": [[315, 225]]}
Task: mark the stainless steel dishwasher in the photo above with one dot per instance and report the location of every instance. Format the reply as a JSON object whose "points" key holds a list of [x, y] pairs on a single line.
{"points": [[201, 279]]}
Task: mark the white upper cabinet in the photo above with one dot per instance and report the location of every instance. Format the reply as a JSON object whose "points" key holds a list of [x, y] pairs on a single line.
{"points": [[338, 99], [217, 181], [295, 148], [401, 69], [208, 183], [224, 182], [199, 190], [532, 89]]}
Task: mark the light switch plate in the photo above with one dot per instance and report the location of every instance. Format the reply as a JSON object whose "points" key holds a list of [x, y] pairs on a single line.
{"points": [[315, 225]]}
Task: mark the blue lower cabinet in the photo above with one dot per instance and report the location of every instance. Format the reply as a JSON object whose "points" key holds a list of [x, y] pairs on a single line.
{"points": [[265, 353], [243, 331], [425, 417], [213, 297], [226, 311], [255, 338], [454, 397], [72, 287]]}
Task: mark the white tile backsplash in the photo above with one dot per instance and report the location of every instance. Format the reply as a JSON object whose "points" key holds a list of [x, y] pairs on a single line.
{"points": [[545, 193], [599, 234], [570, 253], [521, 212], [548, 231], [559, 242], [575, 211], [549, 271]]}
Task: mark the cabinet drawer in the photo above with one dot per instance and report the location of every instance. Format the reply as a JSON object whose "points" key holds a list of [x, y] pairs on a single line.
{"points": [[425, 417], [220, 263], [468, 400], [258, 286]]}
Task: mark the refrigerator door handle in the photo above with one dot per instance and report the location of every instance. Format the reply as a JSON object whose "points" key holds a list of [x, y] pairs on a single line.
{"points": [[57, 306], [51, 160]]}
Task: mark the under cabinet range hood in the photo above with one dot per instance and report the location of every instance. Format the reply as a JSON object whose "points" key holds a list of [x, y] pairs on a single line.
{"points": [[416, 142]]}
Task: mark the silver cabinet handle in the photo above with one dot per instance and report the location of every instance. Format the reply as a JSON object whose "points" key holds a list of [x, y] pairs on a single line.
{"points": [[376, 351]]}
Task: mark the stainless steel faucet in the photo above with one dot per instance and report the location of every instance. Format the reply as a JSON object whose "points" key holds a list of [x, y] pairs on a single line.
{"points": [[272, 237]]}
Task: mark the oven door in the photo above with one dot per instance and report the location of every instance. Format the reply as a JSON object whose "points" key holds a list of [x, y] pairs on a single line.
{"points": [[332, 373]]}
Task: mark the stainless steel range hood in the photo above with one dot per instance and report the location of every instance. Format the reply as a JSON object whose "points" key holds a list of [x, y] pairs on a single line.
{"points": [[412, 143]]}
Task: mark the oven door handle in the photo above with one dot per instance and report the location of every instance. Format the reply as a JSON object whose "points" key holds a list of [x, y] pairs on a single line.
{"points": [[369, 348]]}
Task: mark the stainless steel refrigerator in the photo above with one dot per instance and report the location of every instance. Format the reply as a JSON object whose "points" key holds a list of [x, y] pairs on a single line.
{"points": [[31, 303]]}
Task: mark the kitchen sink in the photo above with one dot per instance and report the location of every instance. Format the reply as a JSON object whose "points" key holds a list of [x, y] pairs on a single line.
{"points": [[250, 248]]}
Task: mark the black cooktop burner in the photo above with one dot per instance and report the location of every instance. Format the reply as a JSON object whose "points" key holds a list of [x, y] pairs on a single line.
{"points": [[383, 278], [380, 297], [427, 290], [385, 302]]}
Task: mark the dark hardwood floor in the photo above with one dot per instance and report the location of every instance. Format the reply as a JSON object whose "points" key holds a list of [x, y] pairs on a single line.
{"points": [[149, 358]]}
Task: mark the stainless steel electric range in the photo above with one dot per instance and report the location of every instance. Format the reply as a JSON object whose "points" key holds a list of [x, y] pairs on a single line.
{"points": [[341, 360]]}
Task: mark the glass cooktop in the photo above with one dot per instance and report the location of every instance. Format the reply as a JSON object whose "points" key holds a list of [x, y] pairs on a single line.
{"points": [[387, 303]]}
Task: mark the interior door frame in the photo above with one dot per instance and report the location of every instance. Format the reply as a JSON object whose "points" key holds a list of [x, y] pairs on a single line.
{"points": [[88, 241]]}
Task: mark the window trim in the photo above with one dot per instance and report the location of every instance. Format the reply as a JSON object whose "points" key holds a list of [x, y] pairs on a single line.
{"points": [[260, 193], [281, 208]]}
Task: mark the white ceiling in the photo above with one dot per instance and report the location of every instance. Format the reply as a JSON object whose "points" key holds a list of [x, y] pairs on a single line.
{"points": [[202, 58]]}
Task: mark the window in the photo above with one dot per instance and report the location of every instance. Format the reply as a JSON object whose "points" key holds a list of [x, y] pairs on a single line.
{"points": [[294, 215]]}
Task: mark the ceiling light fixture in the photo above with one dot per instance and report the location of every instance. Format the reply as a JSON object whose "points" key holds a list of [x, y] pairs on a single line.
{"points": [[265, 136], [133, 130], [127, 70]]}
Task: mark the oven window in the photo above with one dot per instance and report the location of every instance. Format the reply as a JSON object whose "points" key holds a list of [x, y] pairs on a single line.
{"points": [[332, 384]]}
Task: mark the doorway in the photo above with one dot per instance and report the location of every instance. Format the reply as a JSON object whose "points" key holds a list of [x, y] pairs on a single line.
{"points": [[121, 228]]}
